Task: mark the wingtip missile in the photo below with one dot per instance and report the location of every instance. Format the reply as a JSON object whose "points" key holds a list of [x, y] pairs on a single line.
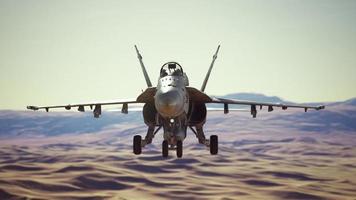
{"points": [[320, 107], [32, 107]]}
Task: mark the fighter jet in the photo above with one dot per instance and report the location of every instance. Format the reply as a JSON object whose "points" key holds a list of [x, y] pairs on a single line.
{"points": [[175, 106]]}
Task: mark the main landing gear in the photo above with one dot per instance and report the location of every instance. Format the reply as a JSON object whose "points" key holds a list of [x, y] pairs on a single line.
{"points": [[212, 143], [138, 142], [137, 148]]}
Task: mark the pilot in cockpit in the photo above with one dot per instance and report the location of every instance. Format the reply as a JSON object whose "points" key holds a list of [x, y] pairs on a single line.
{"points": [[177, 72], [171, 69], [163, 73]]}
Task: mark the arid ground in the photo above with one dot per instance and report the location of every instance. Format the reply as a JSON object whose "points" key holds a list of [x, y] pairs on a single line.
{"points": [[276, 156], [93, 167]]}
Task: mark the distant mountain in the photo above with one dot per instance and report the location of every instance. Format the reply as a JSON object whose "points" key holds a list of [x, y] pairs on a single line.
{"points": [[249, 97], [30, 123], [256, 97], [350, 102]]}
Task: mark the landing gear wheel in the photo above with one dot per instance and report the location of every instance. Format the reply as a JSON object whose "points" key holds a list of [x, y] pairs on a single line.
{"points": [[179, 148], [137, 149], [213, 144], [165, 148]]}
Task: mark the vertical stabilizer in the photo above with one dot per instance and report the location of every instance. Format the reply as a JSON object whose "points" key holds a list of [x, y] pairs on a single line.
{"points": [[209, 71], [147, 78]]}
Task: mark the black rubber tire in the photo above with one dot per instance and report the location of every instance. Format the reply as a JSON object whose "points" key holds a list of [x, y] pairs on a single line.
{"points": [[165, 148], [213, 144], [179, 148], [137, 149]]}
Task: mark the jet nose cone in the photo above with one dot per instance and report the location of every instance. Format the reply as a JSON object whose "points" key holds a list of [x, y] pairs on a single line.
{"points": [[169, 104]]}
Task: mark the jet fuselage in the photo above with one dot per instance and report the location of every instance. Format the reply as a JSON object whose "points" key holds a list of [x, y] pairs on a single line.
{"points": [[172, 101]]}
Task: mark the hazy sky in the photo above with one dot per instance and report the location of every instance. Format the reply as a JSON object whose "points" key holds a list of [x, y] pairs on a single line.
{"points": [[59, 52]]}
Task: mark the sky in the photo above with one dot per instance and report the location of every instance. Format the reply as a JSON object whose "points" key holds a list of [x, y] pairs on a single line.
{"points": [[60, 52]]}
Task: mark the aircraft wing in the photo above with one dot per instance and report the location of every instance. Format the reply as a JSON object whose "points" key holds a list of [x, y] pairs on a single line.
{"points": [[254, 104], [231, 109], [96, 105]]}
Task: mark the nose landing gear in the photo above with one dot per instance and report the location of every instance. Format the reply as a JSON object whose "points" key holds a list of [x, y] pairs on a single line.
{"points": [[179, 149], [165, 148]]}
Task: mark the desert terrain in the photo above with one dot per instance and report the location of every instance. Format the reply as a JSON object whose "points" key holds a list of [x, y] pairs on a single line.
{"points": [[279, 155]]}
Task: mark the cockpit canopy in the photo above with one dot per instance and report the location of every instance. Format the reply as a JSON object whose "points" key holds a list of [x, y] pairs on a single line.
{"points": [[171, 69]]}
